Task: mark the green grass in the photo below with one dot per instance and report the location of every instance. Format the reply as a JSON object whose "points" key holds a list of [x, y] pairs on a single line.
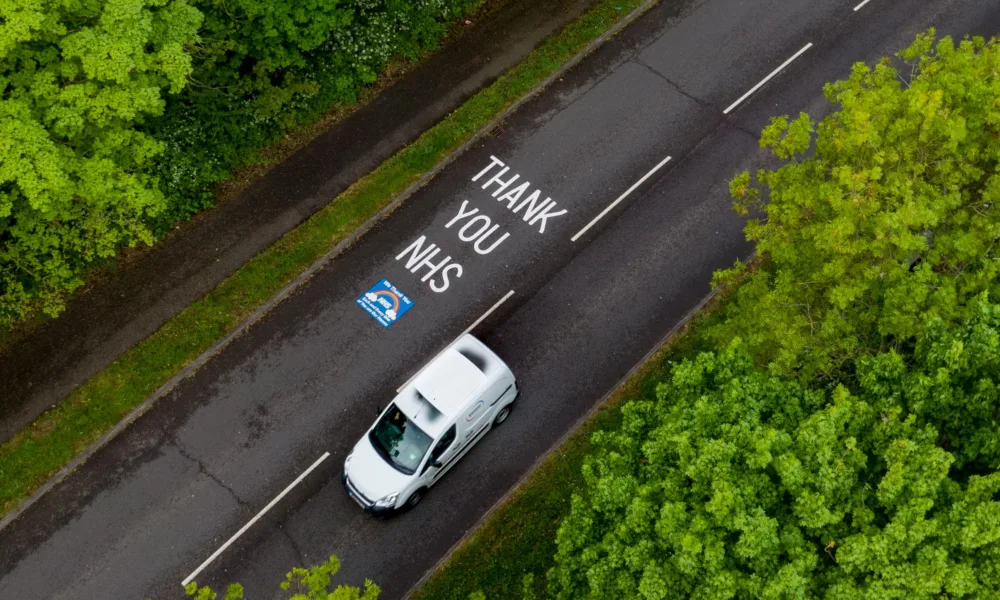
{"points": [[519, 537], [28, 459]]}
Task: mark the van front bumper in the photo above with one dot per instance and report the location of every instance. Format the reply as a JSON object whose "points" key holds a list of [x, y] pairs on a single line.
{"points": [[365, 503]]}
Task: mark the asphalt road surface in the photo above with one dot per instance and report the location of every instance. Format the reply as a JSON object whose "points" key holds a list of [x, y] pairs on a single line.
{"points": [[587, 304]]}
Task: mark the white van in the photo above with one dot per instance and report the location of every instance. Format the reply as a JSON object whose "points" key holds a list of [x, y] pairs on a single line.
{"points": [[432, 423]]}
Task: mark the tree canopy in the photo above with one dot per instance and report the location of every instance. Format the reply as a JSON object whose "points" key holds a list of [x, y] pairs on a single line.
{"points": [[843, 440], [736, 483], [300, 583], [75, 80], [886, 213]]}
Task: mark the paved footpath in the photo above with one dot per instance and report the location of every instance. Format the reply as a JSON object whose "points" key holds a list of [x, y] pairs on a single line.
{"points": [[533, 211]]}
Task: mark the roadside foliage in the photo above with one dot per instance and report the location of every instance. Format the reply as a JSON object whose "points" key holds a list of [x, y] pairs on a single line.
{"points": [[300, 583], [735, 483], [76, 81], [842, 440], [118, 116], [892, 220]]}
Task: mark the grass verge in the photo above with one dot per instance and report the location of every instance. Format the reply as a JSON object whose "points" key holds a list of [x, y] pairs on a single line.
{"points": [[241, 177], [32, 456], [519, 537]]}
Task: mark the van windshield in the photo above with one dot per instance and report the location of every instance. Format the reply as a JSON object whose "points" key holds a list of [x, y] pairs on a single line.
{"points": [[399, 441]]}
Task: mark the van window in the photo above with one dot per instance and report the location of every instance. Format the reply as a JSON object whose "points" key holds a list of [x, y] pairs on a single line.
{"points": [[444, 443], [399, 441]]}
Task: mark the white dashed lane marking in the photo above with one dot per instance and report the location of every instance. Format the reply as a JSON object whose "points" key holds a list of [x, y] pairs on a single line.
{"points": [[256, 518]]}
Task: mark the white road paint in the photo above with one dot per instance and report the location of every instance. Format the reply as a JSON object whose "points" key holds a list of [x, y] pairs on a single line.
{"points": [[484, 231], [534, 212], [487, 313], [771, 76], [256, 518], [862, 5], [493, 308], [619, 199], [467, 330], [420, 257]]}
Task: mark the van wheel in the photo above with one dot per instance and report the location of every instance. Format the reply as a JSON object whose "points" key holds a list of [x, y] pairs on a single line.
{"points": [[414, 498], [502, 415]]}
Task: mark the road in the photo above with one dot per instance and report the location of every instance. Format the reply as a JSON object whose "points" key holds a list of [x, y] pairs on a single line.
{"points": [[307, 379], [123, 307]]}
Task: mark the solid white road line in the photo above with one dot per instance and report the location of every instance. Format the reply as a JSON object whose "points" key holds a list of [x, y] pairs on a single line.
{"points": [[862, 5], [768, 78], [243, 530], [467, 330], [487, 313], [619, 199]]}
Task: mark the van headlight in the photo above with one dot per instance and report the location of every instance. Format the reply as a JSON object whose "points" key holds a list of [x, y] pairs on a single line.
{"points": [[388, 501], [347, 461]]}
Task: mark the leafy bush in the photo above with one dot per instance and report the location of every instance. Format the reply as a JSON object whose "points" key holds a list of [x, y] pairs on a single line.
{"points": [[311, 583], [76, 79], [735, 483], [117, 116], [905, 169], [263, 67]]}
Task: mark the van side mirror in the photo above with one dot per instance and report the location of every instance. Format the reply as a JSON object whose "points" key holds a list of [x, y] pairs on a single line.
{"points": [[431, 463], [378, 410]]}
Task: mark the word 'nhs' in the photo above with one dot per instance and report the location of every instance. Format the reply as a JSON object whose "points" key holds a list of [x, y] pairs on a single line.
{"points": [[535, 212]]}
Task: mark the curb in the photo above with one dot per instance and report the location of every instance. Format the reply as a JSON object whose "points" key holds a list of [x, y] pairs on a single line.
{"points": [[562, 439], [286, 291]]}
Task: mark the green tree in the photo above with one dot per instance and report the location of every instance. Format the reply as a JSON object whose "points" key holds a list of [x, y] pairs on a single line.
{"points": [[735, 483], [304, 584], [886, 214], [263, 66], [952, 379], [75, 79], [118, 116]]}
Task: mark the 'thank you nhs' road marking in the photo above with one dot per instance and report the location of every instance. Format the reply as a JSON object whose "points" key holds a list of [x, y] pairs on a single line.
{"points": [[478, 229]]}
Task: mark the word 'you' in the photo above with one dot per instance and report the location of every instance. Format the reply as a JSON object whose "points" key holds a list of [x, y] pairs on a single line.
{"points": [[478, 229]]}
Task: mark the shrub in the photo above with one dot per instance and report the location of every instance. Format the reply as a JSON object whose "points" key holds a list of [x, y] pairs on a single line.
{"points": [[76, 79], [735, 483], [264, 67]]}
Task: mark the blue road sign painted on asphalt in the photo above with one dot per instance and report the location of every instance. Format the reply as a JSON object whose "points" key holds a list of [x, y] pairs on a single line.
{"points": [[385, 303]]}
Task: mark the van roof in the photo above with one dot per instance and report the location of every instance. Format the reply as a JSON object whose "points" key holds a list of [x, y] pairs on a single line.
{"points": [[438, 392], [449, 381]]}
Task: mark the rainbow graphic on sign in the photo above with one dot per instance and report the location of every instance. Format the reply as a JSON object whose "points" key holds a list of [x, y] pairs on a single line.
{"points": [[385, 303]]}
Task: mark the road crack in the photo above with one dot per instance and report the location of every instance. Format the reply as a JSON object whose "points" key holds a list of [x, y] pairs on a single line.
{"points": [[295, 546], [204, 470], [742, 129], [703, 103], [677, 87]]}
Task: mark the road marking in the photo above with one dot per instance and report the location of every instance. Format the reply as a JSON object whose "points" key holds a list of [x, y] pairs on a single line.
{"points": [[769, 77], [486, 314], [862, 5], [467, 330], [619, 199], [243, 530]]}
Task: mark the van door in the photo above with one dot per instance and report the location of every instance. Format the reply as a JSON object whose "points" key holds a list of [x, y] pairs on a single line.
{"points": [[443, 452]]}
